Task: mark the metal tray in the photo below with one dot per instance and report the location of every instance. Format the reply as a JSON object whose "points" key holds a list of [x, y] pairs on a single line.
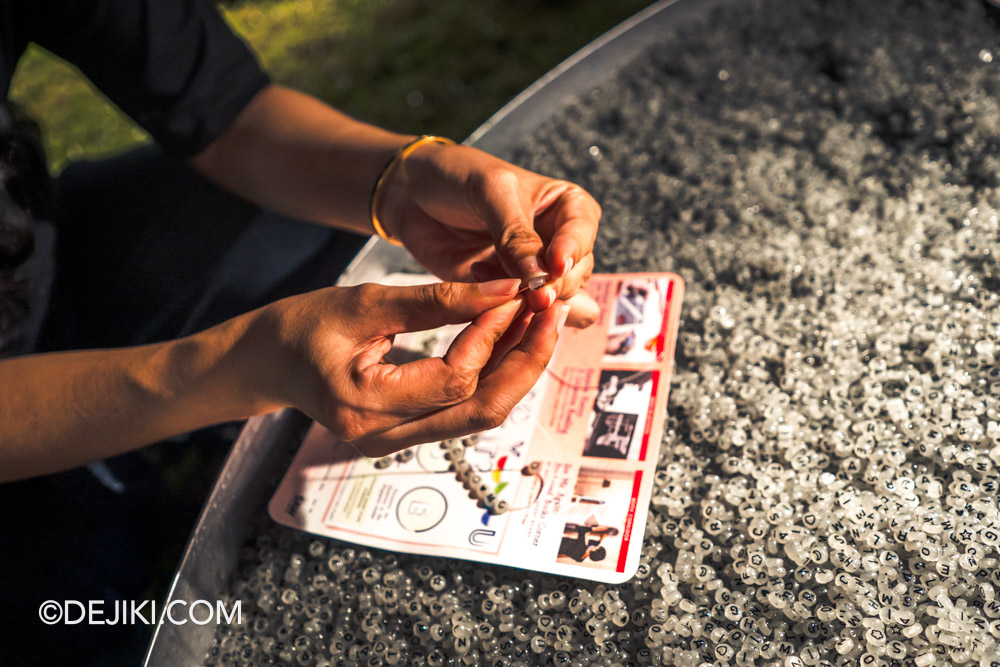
{"points": [[257, 459]]}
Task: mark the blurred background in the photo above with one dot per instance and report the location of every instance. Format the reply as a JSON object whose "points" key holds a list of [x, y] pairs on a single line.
{"points": [[420, 67], [438, 67]]}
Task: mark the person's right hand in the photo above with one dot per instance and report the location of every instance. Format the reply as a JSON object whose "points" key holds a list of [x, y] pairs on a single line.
{"points": [[322, 352]]}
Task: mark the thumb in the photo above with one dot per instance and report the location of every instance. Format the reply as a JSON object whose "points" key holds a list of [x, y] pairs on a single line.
{"points": [[511, 225], [421, 307]]}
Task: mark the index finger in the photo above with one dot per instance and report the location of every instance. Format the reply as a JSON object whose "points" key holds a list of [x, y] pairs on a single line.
{"points": [[510, 221], [418, 387], [573, 216], [495, 397]]}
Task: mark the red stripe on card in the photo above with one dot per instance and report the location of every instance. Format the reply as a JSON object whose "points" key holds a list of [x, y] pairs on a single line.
{"points": [[627, 530], [661, 340], [649, 417]]}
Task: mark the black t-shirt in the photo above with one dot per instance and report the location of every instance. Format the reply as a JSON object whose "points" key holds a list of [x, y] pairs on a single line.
{"points": [[174, 66], [575, 548]]}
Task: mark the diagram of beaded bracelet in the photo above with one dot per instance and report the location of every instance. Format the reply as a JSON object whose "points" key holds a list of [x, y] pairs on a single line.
{"points": [[562, 486]]}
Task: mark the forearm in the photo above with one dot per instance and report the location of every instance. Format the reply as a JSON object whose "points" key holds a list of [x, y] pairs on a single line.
{"points": [[291, 153], [61, 410]]}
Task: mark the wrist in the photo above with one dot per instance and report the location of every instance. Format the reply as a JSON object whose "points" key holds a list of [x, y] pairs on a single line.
{"points": [[211, 374], [389, 193]]}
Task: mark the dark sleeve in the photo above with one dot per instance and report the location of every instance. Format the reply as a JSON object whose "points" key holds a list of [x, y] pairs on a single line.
{"points": [[174, 66]]}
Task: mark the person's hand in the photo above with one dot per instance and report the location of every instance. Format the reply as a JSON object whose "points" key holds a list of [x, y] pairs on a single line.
{"points": [[466, 215], [322, 352]]}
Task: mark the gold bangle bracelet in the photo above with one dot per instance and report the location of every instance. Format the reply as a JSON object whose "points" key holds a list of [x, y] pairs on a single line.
{"points": [[400, 155]]}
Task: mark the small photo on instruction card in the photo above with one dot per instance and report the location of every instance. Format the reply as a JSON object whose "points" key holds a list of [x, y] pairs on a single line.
{"points": [[636, 325], [599, 518], [618, 418]]}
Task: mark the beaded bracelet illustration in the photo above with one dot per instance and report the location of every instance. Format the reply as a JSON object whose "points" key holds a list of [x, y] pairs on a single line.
{"points": [[470, 477]]}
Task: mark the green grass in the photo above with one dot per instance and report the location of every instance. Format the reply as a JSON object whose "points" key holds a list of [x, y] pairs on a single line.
{"points": [[374, 59]]}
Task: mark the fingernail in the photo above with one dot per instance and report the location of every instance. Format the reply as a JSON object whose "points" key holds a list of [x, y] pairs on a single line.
{"points": [[502, 287], [550, 296], [563, 314], [569, 266]]}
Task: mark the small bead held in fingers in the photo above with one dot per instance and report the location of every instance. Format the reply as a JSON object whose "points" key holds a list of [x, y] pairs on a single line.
{"points": [[535, 284]]}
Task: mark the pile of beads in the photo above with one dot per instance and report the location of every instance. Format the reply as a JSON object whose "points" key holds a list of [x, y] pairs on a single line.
{"points": [[826, 178]]}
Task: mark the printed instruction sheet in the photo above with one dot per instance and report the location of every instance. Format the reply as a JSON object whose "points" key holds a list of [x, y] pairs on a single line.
{"points": [[573, 463]]}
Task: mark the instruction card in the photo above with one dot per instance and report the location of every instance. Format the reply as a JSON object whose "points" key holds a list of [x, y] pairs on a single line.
{"points": [[573, 463]]}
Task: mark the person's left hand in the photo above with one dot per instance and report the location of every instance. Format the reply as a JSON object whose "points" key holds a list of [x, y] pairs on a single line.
{"points": [[466, 215]]}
